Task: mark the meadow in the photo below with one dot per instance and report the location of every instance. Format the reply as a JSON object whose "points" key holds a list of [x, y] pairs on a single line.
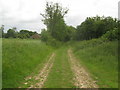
{"points": [[20, 58]]}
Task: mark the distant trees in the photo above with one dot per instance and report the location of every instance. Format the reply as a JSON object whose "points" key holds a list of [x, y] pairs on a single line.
{"points": [[92, 27], [26, 34], [13, 33], [57, 31], [95, 27], [70, 34]]}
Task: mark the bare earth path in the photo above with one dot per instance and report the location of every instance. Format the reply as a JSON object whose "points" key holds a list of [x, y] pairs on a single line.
{"points": [[81, 77], [41, 77]]}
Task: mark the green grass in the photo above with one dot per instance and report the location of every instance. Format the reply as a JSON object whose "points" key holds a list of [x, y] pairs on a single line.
{"points": [[0, 63], [101, 59], [20, 58], [61, 74]]}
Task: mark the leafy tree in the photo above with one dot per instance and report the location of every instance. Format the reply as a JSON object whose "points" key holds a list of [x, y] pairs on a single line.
{"points": [[95, 27], [54, 20], [11, 33], [71, 31], [45, 35], [111, 35]]}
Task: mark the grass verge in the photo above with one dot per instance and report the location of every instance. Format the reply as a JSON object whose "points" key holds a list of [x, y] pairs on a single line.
{"points": [[101, 59]]}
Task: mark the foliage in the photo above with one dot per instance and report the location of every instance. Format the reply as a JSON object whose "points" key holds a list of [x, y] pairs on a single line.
{"points": [[95, 27], [71, 32], [25, 34], [46, 37], [111, 35], [54, 20], [11, 33]]}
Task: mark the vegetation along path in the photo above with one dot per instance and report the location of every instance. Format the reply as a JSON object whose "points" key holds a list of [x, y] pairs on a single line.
{"points": [[66, 72], [38, 80], [81, 76]]}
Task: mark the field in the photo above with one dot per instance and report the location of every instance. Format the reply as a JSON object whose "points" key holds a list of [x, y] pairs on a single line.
{"points": [[33, 64], [20, 58]]}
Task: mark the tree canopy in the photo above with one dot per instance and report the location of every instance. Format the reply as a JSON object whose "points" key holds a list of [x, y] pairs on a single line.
{"points": [[54, 20], [95, 27]]}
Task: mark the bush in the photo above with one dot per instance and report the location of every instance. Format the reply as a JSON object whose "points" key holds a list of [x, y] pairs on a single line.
{"points": [[46, 37], [111, 35]]}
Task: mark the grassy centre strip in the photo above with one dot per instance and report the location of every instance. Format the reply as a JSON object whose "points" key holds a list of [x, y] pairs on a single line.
{"points": [[61, 74]]}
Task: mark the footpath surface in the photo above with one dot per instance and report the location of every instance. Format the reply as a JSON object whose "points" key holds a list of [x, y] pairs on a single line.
{"points": [[80, 78]]}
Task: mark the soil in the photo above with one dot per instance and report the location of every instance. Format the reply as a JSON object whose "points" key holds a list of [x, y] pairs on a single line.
{"points": [[81, 78]]}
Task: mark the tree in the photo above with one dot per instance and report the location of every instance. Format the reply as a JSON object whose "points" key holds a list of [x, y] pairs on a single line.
{"points": [[11, 33], [2, 31], [26, 34], [113, 34], [45, 36], [54, 20], [70, 33], [95, 27]]}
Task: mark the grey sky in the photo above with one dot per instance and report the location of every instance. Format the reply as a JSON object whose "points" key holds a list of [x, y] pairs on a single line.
{"points": [[25, 14]]}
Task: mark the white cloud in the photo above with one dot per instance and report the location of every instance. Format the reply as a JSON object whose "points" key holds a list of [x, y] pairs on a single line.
{"points": [[25, 14]]}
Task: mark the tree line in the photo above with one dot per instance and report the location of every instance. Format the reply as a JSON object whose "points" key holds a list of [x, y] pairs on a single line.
{"points": [[13, 33], [95, 27], [92, 27], [58, 31]]}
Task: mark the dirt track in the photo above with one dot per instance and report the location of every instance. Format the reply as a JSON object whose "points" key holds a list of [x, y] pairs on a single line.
{"points": [[81, 76], [42, 75]]}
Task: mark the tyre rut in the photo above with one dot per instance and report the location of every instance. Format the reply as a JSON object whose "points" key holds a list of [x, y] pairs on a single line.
{"points": [[39, 79], [81, 77]]}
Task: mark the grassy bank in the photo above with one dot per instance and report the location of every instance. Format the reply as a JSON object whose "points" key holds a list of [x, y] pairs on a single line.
{"points": [[101, 59], [61, 74], [20, 58], [0, 63]]}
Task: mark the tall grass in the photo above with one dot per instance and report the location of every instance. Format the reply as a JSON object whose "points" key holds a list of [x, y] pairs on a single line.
{"points": [[0, 63], [20, 58], [101, 59]]}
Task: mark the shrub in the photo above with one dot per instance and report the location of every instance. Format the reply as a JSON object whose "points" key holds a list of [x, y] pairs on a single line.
{"points": [[46, 37], [111, 35]]}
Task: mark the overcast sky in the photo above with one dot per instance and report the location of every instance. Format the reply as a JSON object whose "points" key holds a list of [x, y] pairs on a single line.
{"points": [[25, 14]]}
